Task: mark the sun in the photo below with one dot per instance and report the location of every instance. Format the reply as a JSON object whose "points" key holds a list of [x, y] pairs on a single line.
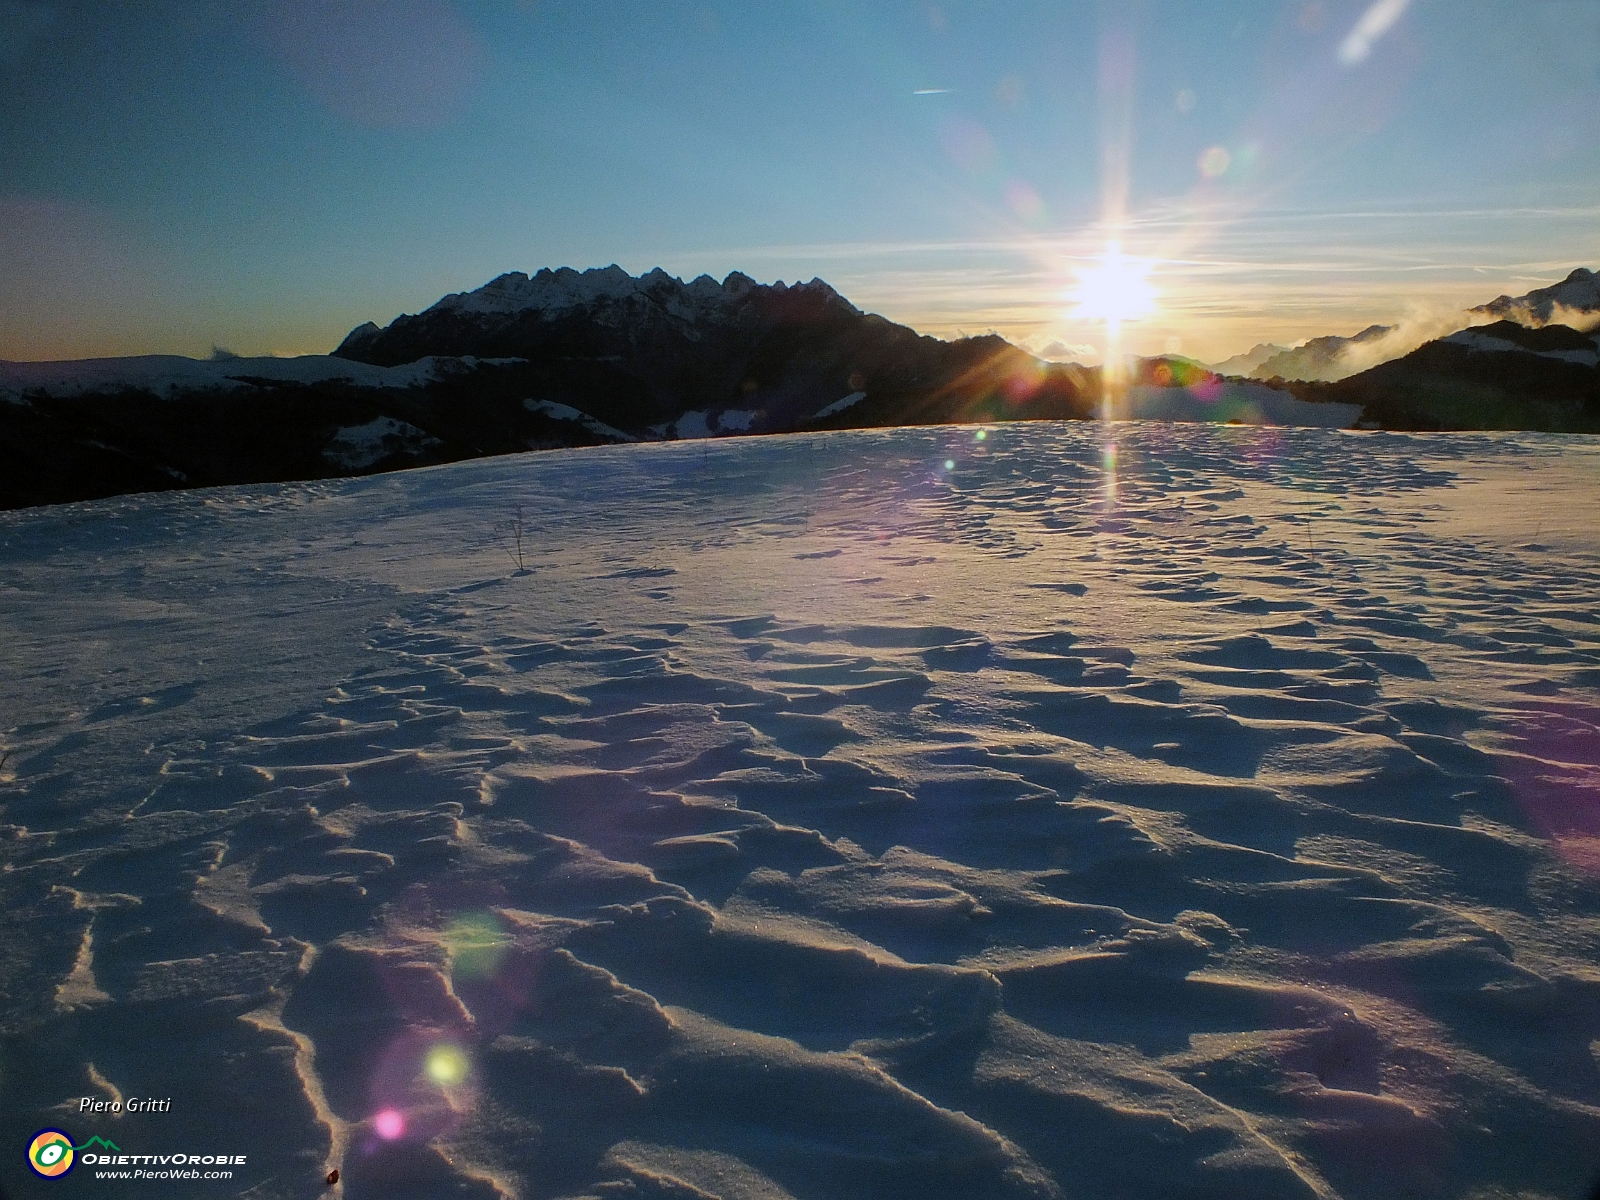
{"points": [[1116, 289]]}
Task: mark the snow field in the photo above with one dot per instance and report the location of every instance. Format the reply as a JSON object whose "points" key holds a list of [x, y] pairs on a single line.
{"points": [[878, 813]]}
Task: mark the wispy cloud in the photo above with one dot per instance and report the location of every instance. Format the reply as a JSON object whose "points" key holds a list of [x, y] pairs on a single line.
{"points": [[1374, 23]]}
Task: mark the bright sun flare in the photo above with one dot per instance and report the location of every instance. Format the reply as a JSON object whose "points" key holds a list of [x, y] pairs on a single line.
{"points": [[1117, 288]]}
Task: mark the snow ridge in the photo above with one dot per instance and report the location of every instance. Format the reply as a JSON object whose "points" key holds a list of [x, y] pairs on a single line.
{"points": [[168, 374], [1578, 294], [1473, 339], [565, 290]]}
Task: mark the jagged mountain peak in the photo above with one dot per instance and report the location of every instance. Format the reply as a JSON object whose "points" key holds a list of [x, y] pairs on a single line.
{"points": [[1243, 364], [510, 311], [563, 289], [548, 289]]}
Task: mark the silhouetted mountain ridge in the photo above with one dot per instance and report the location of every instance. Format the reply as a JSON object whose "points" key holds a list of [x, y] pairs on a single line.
{"points": [[567, 358], [1499, 376], [580, 358], [779, 353]]}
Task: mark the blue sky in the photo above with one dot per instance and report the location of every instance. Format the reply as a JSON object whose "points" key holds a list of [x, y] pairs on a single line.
{"points": [[266, 176]]}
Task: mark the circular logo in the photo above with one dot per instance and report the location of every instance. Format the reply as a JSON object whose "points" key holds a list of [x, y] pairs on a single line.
{"points": [[50, 1153]]}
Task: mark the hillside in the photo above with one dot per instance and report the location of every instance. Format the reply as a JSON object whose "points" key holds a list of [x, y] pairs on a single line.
{"points": [[1499, 376]]}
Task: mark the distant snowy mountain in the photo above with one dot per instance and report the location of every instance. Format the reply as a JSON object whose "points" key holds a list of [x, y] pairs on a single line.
{"points": [[1243, 364], [1573, 301], [1499, 376], [1320, 358], [1558, 342], [565, 290]]}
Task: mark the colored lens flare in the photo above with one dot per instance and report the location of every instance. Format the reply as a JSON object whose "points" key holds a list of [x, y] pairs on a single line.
{"points": [[1024, 201], [446, 1065], [1214, 162], [476, 944], [1117, 288], [389, 1124]]}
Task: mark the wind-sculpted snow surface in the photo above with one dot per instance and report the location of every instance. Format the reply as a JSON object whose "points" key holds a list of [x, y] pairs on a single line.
{"points": [[1214, 813]]}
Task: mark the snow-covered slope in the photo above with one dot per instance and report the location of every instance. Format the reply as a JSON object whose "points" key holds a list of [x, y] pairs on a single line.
{"points": [[1130, 811], [357, 447], [565, 412], [164, 374], [1475, 339], [1236, 403]]}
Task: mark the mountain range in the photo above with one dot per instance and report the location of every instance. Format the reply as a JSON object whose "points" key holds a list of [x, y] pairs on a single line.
{"points": [[569, 358], [1319, 358], [1574, 301], [1504, 375], [655, 355]]}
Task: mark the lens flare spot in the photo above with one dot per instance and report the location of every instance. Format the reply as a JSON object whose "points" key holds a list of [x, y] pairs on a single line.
{"points": [[981, 434], [1214, 162], [1023, 382], [969, 145], [476, 944], [949, 464], [1024, 201], [446, 1065], [389, 1124]]}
